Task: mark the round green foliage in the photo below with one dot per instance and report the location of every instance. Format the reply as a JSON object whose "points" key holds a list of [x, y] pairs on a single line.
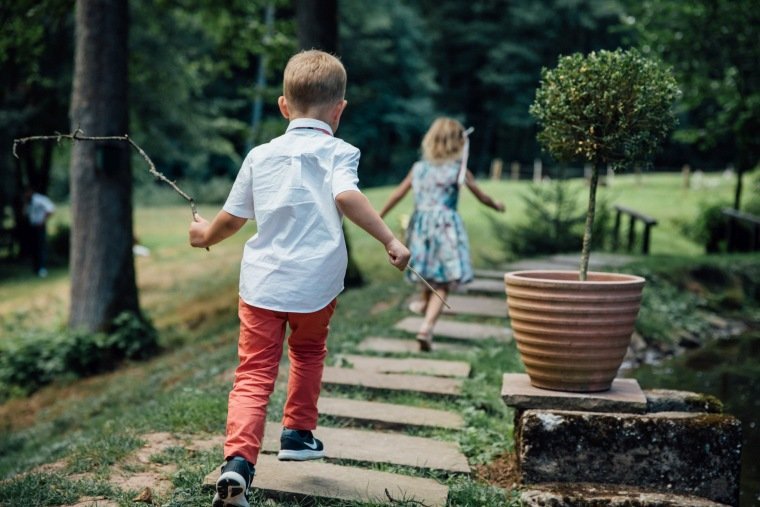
{"points": [[608, 107]]}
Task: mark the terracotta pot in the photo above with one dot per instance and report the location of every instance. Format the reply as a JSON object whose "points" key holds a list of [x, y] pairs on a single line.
{"points": [[572, 335]]}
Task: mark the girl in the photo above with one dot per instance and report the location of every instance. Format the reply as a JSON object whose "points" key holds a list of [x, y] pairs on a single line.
{"points": [[436, 235]]}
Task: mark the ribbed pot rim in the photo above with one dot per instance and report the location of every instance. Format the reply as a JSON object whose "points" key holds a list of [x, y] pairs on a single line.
{"points": [[569, 278]]}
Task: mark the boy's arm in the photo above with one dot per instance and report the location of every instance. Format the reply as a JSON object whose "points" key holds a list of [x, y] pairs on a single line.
{"points": [[204, 233], [398, 193], [480, 195], [357, 208]]}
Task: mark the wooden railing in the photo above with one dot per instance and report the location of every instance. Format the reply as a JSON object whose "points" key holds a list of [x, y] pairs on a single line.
{"points": [[751, 223], [634, 215]]}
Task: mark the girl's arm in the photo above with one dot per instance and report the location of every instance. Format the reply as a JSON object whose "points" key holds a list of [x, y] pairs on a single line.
{"points": [[480, 195], [398, 193], [204, 233]]}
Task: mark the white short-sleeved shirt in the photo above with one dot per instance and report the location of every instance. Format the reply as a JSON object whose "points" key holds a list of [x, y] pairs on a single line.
{"points": [[39, 208], [296, 261]]}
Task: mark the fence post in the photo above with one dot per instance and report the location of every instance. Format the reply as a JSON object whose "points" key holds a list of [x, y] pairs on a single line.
{"points": [[514, 169], [686, 174], [496, 167], [537, 168], [616, 231], [631, 232]]}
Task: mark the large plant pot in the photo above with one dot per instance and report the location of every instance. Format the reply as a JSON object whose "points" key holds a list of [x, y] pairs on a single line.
{"points": [[572, 335]]}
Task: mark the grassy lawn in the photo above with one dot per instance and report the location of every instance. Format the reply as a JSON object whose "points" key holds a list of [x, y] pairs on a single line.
{"points": [[65, 441]]}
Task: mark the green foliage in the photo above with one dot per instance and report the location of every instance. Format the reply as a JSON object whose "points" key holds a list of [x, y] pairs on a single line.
{"points": [[553, 222], [31, 359], [608, 107]]}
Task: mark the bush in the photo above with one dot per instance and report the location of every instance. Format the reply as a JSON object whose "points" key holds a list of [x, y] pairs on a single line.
{"points": [[32, 359], [554, 223]]}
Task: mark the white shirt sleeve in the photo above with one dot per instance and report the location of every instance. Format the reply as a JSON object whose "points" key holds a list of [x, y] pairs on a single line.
{"points": [[240, 200], [346, 172]]}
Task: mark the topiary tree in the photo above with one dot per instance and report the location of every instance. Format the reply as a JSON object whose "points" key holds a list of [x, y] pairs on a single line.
{"points": [[606, 108]]}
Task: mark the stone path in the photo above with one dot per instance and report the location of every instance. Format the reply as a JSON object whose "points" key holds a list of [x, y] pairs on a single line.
{"points": [[388, 415], [491, 286], [325, 480], [458, 330], [376, 436], [404, 345], [434, 367]]}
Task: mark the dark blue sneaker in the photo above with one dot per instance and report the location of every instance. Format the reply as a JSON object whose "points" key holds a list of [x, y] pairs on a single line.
{"points": [[232, 485], [299, 445]]}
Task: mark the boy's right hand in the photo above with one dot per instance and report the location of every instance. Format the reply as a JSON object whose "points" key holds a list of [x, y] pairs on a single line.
{"points": [[197, 232], [398, 254]]}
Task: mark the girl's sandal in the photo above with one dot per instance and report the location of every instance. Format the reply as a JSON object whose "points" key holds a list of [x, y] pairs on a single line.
{"points": [[425, 340]]}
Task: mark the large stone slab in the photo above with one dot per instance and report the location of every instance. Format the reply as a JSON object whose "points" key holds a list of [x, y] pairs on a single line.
{"points": [[315, 479], [392, 381], [380, 447], [404, 346], [482, 306], [625, 395], [606, 495], [669, 400], [672, 452], [491, 286], [434, 367], [388, 415], [457, 330]]}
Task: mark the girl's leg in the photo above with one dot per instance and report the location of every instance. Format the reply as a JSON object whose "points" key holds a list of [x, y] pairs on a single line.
{"points": [[420, 305], [307, 348], [433, 311], [259, 348]]}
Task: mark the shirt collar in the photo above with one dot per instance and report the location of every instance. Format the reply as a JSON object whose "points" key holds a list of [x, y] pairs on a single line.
{"points": [[309, 123]]}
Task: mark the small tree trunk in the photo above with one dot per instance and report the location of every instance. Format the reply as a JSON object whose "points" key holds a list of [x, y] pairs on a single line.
{"points": [[586, 251]]}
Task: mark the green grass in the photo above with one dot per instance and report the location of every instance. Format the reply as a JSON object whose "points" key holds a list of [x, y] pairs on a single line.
{"points": [[89, 426]]}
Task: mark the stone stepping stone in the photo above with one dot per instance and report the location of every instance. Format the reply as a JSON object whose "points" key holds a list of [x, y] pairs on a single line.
{"points": [[605, 494], [481, 306], [388, 415], [434, 367], [457, 330], [493, 274], [324, 480], [392, 381], [377, 447], [624, 395], [492, 286], [404, 345]]}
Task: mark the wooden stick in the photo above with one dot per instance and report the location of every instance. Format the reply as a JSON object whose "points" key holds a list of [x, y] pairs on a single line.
{"points": [[78, 135], [410, 268]]}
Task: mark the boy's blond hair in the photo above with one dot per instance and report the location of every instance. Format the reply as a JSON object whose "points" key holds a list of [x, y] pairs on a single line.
{"points": [[313, 78], [443, 141]]}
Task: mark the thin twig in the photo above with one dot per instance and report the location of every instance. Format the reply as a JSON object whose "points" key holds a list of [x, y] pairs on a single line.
{"points": [[78, 135], [404, 502], [410, 268]]}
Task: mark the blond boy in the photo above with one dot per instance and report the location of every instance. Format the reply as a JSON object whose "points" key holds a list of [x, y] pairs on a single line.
{"points": [[297, 187]]}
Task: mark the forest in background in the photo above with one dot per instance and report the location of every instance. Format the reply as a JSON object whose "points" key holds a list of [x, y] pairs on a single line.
{"points": [[203, 80]]}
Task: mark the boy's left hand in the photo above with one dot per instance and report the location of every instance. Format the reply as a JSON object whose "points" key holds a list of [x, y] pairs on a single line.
{"points": [[398, 254]]}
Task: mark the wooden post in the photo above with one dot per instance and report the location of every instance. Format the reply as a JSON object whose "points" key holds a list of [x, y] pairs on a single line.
{"points": [[616, 231], [631, 232], [496, 167], [645, 244], [537, 169], [514, 169]]}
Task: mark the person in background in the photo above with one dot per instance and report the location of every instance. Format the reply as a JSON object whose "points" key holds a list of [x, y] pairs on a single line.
{"points": [[38, 209], [436, 235]]}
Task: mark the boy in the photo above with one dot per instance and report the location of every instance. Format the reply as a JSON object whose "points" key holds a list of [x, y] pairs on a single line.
{"points": [[296, 187]]}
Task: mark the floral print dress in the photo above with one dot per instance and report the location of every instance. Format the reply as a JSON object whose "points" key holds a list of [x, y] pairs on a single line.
{"points": [[436, 235]]}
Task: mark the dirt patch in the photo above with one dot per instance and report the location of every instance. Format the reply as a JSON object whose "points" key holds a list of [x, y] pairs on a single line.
{"points": [[501, 472], [94, 501]]}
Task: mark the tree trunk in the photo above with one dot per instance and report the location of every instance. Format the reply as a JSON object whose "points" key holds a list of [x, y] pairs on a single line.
{"points": [[317, 24], [586, 251], [102, 267], [317, 28]]}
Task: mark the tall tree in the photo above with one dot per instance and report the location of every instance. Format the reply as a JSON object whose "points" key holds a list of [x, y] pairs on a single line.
{"points": [[712, 46], [102, 267]]}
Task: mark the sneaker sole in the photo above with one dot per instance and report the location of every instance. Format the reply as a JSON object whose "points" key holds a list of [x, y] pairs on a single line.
{"points": [[304, 455], [230, 491]]}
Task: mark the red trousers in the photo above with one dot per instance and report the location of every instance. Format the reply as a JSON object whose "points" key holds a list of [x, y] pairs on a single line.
{"points": [[262, 333]]}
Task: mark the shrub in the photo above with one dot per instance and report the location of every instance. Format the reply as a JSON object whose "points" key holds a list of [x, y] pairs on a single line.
{"points": [[605, 108], [32, 359]]}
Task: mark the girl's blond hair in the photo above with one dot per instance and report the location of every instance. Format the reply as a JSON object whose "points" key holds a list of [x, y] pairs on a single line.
{"points": [[443, 141]]}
